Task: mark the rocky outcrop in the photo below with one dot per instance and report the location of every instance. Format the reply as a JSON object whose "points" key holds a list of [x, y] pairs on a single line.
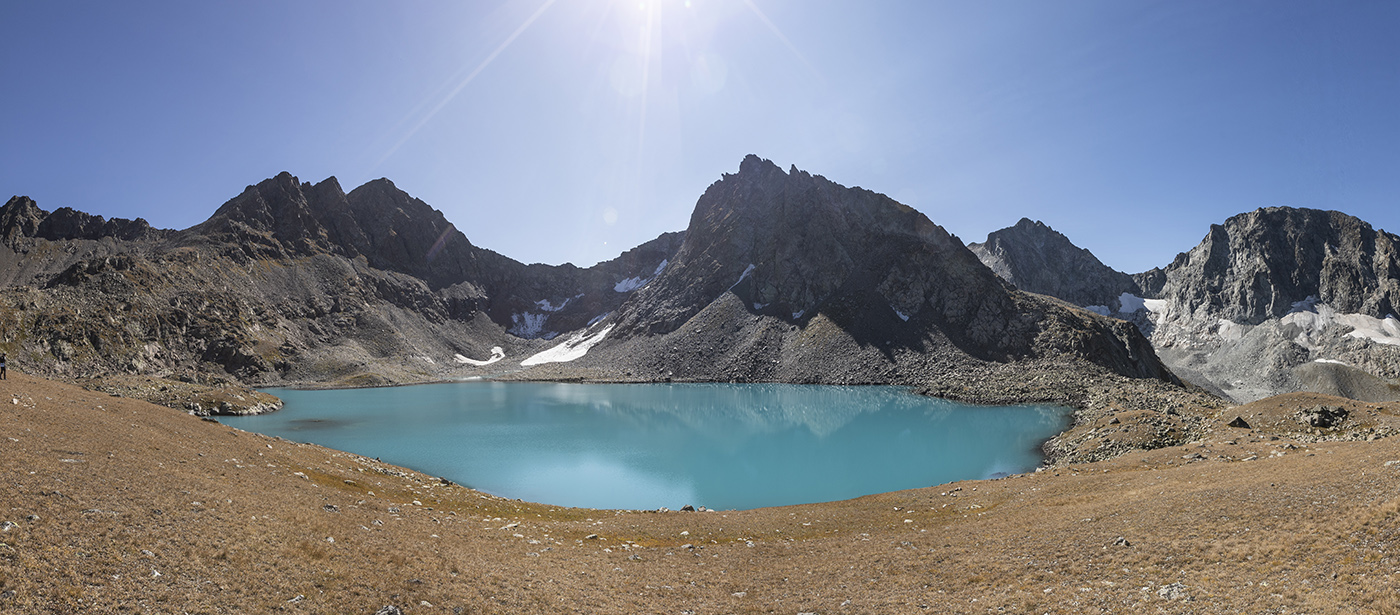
{"points": [[1034, 257], [21, 218]]}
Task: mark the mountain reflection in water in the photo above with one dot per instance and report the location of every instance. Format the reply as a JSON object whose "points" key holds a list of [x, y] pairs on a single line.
{"points": [[653, 445]]}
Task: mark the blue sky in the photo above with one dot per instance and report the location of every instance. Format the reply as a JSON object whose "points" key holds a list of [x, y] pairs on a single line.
{"points": [[571, 130]]}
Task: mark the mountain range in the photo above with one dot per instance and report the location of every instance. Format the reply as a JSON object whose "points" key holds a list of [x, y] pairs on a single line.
{"points": [[1271, 301], [781, 276]]}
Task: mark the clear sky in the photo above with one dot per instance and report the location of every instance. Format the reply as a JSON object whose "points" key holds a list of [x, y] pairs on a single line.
{"points": [[571, 130]]}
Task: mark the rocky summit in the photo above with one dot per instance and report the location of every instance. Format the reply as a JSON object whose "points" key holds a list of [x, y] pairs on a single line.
{"points": [[1035, 258], [1272, 301], [787, 276], [781, 276]]}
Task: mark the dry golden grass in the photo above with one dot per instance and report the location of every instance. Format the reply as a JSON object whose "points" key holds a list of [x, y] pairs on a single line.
{"points": [[142, 509]]}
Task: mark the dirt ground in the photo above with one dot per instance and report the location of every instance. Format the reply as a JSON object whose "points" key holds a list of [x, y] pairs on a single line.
{"points": [[112, 505]]}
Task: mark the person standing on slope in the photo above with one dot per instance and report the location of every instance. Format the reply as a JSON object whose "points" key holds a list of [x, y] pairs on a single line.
{"points": [[2, 366]]}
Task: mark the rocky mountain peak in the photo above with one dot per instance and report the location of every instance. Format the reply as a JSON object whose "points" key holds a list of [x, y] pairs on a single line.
{"points": [[282, 217], [1259, 264], [787, 242], [22, 217], [1034, 257]]}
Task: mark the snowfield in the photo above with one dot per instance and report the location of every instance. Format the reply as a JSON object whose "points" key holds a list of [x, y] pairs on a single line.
{"points": [[576, 346], [1312, 317], [497, 353], [1131, 303], [631, 284]]}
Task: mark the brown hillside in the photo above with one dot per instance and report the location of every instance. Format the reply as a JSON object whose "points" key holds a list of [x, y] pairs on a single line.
{"points": [[111, 505]]}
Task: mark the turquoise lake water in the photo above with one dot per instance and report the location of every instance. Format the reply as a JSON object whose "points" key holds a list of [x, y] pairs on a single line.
{"points": [[644, 446]]}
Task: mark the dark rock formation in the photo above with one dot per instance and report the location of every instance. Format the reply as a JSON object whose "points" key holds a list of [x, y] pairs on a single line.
{"points": [[1034, 257], [788, 276], [21, 218]]}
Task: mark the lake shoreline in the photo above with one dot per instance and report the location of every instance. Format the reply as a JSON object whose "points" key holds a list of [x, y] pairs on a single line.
{"points": [[104, 492]]}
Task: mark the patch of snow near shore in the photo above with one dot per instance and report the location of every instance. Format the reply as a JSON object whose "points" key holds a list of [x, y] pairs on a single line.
{"points": [[1334, 361], [1129, 303], [902, 316], [1101, 310], [576, 346], [497, 353]]}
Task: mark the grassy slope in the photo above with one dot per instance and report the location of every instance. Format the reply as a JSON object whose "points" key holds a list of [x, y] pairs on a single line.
{"points": [[144, 509]]}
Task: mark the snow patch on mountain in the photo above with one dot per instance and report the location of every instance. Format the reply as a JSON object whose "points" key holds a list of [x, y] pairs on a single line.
{"points": [[629, 285], [497, 353], [545, 306], [633, 283], [528, 325], [742, 276], [573, 348], [1130, 303], [1381, 331]]}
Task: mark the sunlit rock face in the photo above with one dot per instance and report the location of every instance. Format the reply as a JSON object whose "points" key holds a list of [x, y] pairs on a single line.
{"points": [[1261, 264], [1275, 300]]}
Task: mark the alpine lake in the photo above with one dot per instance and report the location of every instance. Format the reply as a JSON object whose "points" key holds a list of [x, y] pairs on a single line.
{"points": [[646, 446]]}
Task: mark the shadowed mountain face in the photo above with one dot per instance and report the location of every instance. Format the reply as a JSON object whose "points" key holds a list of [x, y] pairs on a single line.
{"points": [[21, 217], [1035, 258], [789, 264], [782, 276]]}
